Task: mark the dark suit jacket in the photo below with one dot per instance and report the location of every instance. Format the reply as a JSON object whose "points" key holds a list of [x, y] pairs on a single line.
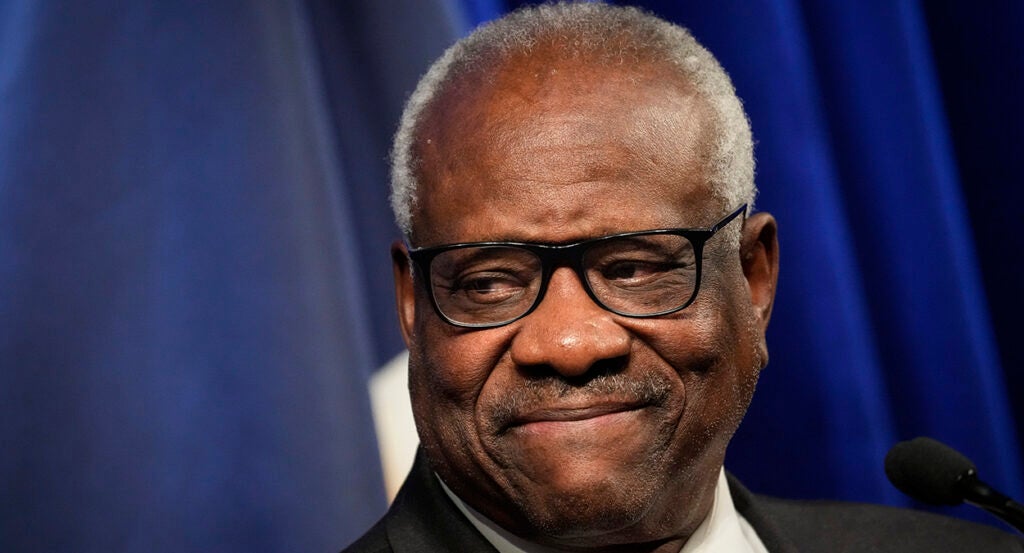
{"points": [[423, 519]]}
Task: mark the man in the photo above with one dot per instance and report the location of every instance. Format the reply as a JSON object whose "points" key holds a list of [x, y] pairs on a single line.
{"points": [[585, 294]]}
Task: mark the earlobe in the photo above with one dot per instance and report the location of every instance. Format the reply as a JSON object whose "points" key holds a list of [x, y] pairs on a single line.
{"points": [[759, 254], [405, 293]]}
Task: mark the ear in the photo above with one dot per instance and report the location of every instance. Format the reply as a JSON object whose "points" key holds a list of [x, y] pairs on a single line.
{"points": [[405, 292], [759, 254]]}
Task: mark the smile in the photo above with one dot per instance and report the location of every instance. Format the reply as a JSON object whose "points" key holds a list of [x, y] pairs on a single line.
{"points": [[565, 417]]}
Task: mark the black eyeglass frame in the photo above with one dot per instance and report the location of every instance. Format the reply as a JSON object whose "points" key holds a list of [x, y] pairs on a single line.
{"points": [[571, 255]]}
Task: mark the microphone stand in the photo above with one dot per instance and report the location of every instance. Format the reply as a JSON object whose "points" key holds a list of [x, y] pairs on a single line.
{"points": [[983, 496]]}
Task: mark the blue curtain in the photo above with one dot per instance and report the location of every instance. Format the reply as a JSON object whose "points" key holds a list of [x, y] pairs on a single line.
{"points": [[191, 272], [194, 280], [887, 137]]}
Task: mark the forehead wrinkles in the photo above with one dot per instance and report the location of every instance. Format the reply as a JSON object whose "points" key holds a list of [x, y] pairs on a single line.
{"points": [[549, 123], [532, 103]]}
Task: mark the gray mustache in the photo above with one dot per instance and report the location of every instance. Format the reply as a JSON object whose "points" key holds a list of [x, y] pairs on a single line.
{"points": [[645, 389]]}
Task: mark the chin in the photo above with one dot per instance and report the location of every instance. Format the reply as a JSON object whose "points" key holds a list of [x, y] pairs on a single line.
{"points": [[595, 510]]}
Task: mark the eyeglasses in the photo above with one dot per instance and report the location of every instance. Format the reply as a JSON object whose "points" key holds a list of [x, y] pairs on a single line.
{"points": [[635, 274]]}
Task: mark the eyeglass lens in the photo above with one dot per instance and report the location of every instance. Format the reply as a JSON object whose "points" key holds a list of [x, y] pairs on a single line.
{"points": [[633, 275], [483, 285]]}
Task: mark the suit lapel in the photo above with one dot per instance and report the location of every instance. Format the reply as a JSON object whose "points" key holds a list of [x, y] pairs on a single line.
{"points": [[751, 509], [422, 517]]}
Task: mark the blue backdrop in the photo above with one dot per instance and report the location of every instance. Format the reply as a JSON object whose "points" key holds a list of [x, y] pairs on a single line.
{"points": [[194, 279]]}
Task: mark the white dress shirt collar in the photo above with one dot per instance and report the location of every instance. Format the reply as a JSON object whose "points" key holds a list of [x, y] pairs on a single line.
{"points": [[724, 529]]}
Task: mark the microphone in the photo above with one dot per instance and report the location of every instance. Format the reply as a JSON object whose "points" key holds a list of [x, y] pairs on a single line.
{"points": [[934, 473]]}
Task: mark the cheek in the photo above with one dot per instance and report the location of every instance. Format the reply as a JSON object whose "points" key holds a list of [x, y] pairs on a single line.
{"points": [[726, 389], [715, 355], [695, 344], [449, 366], [448, 370]]}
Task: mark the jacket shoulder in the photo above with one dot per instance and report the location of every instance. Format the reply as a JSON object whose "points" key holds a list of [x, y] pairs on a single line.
{"points": [[421, 518], [375, 540], [855, 527]]}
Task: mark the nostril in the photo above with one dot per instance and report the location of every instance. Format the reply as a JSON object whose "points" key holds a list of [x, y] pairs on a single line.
{"points": [[600, 369], [571, 352]]}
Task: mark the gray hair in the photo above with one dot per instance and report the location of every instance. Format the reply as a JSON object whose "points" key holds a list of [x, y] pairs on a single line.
{"points": [[586, 29]]}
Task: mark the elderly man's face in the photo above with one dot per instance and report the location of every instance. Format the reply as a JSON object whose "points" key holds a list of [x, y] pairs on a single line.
{"points": [[574, 425]]}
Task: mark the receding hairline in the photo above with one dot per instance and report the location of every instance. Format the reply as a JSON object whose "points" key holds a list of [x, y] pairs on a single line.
{"points": [[607, 37]]}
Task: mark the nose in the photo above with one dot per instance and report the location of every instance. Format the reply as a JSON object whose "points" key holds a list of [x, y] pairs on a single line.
{"points": [[568, 333]]}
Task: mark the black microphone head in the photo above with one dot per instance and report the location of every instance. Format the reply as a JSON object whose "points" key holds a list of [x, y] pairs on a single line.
{"points": [[928, 470]]}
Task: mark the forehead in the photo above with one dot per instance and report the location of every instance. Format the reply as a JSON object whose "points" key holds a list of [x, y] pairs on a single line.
{"points": [[555, 150]]}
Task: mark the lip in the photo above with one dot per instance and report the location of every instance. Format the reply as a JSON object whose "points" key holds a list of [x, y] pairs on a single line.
{"points": [[572, 413]]}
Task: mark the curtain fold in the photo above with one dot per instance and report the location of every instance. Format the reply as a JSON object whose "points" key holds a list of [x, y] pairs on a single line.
{"points": [[184, 366], [195, 284], [866, 131], [881, 329]]}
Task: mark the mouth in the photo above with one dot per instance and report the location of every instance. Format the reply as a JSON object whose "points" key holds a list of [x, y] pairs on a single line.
{"points": [[555, 406], [572, 415]]}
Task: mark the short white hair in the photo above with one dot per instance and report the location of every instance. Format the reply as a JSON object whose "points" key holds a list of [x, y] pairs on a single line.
{"points": [[585, 29]]}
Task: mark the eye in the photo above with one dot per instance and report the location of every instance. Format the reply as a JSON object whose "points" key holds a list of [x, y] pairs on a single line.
{"points": [[476, 279], [635, 270], [484, 284]]}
